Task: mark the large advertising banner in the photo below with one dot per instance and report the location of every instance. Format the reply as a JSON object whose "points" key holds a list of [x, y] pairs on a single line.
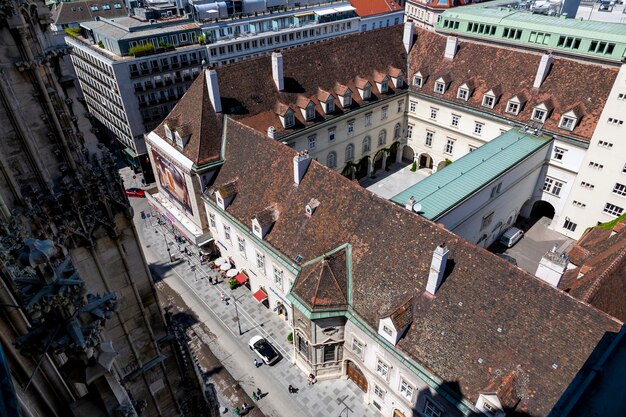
{"points": [[172, 180]]}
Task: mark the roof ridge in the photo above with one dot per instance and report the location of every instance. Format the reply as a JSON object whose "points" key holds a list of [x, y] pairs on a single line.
{"points": [[596, 284]]}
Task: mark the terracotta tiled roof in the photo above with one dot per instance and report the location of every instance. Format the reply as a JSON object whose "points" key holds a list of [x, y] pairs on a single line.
{"points": [[248, 92], [266, 216], [487, 314], [228, 189], [360, 82], [323, 283], [374, 7], [322, 95], [80, 11], [402, 316], [511, 388], [195, 111], [302, 102], [600, 278], [341, 89], [566, 85]]}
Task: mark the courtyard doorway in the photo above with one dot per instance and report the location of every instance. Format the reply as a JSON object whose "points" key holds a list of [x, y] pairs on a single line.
{"points": [[356, 375]]}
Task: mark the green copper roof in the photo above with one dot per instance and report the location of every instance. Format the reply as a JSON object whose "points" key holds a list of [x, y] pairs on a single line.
{"points": [[447, 188], [472, 21]]}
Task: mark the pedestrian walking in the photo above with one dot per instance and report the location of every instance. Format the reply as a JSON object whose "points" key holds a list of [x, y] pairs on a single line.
{"points": [[244, 407], [210, 279], [290, 389], [259, 393], [222, 297], [256, 363], [254, 397], [237, 412]]}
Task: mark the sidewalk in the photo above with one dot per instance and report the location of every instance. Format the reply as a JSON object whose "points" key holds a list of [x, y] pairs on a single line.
{"points": [[189, 279]]}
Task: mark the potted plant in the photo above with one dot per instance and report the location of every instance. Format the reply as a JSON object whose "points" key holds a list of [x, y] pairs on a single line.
{"points": [[232, 283], [290, 337]]}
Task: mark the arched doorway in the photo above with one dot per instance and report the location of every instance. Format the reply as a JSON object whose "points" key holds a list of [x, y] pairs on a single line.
{"points": [[361, 169], [441, 165], [378, 160], [425, 161], [355, 374], [542, 209], [408, 154], [398, 413], [393, 151]]}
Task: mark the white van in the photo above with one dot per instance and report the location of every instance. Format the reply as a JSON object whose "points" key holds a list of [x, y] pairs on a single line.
{"points": [[511, 236]]}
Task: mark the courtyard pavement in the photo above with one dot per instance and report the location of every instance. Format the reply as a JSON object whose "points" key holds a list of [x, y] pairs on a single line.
{"points": [[390, 183], [537, 240], [189, 278]]}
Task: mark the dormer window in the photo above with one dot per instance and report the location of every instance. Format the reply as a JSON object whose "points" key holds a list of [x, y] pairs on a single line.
{"points": [[384, 86], [399, 81], [347, 99], [220, 200], [569, 119], [310, 112], [168, 132], [489, 101], [289, 119], [541, 111], [462, 94], [418, 81], [330, 105], [567, 123], [512, 107], [179, 140], [539, 115], [367, 92], [387, 330], [440, 87]]}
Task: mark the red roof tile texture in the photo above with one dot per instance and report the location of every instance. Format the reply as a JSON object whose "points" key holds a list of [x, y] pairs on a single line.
{"points": [[248, 92], [373, 7], [512, 72], [194, 112], [538, 325], [600, 278]]}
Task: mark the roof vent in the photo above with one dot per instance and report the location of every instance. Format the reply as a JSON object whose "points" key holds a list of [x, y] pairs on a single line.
{"points": [[311, 206], [298, 258]]}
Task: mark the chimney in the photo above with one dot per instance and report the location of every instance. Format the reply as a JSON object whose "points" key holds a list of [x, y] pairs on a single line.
{"points": [[542, 70], [437, 268], [277, 70], [407, 38], [301, 163], [451, 46], [213, 89]]}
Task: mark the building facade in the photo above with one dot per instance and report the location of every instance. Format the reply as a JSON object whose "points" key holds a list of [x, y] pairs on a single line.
{"points": [[130, 95]]}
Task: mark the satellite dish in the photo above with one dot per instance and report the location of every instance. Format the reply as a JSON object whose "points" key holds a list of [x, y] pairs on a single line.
{"points": [[417, 207]]}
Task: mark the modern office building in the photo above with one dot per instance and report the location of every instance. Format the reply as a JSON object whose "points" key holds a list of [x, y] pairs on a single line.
{"points": [[132, 72]]}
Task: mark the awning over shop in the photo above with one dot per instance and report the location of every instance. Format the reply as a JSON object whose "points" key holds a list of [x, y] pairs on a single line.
{"points": [[260, 295], [241, 278]]}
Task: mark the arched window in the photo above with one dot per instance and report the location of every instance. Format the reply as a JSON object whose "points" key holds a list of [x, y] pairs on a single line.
{"points": [[367, 144], [382, 137], [396, 131], [349, 152], [331, 160]]}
